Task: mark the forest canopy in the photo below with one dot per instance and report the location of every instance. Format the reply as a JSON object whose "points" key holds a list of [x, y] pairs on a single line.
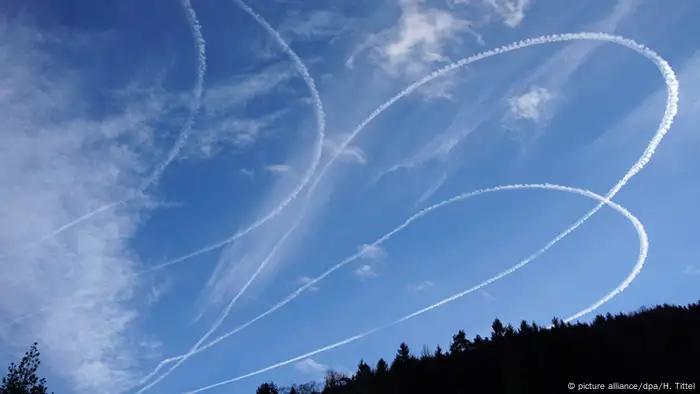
{"points": [[653, 349]]}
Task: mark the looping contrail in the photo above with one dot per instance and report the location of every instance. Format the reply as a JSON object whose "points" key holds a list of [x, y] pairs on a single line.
{"points": [[665, 124], [666, 121], [318, 147], [643, 249], [200, 46], [316, 155], [643, 241], [186, 130], [316, 158]]}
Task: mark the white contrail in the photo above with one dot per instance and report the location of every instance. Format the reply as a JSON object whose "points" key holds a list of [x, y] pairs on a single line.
{"points": [[670, 112], [643, 249], [661, 64], [318, 149], [640, 229], [200, 45], [222, 316]]}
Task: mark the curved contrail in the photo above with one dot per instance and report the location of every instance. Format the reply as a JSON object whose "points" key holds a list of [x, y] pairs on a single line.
{"points": [[643, 249], [200, 45], [666, 121], [318, 150], [643, 239], [318, 147], [185, 132]]}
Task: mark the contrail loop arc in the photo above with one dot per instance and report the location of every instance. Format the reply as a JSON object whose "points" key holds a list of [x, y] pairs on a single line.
{"points": [[316, 158], [667, 119], [643, 250]]}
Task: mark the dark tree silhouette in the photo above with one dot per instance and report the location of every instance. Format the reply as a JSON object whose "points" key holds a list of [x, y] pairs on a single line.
{"points": [[658, 346], [267, 388], [22, 378], [382, 367], [460, 343], [403, 356]]}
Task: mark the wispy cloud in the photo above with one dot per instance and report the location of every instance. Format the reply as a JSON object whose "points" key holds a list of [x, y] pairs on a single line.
{"points": [[469, 119], [685, 141], [371, 252], [418, 39], [58, 160], [509, 12], [303, 280], [220, 98], [422, 286], [278, 168], [691, 270], [547, 80], [309, 366], [365, 271], [512, 12], [225, 120], [432, 188], [415, 45], [158, 290], [552, 75], [531, 105], [247, 172], [315, 24], [214, 134], [487, 295], [351, 153]]}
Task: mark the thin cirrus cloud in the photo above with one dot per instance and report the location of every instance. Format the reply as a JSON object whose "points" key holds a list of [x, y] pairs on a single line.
{"points": [[432, 189], [303, 280], [535, 96], [278, 169], [416, 44], [96, 259], [511, 12], [316, 24], [365, 271], [546, 82], [309, 366], [350, 154], [371, 252], [224, 121], [247, 172], [691, 270], [421, 286], [53, 141], [530, 105]]}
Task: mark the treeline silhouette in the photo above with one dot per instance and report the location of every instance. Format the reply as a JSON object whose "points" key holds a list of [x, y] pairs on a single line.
{"points": [[654, 349], [22, 378]]}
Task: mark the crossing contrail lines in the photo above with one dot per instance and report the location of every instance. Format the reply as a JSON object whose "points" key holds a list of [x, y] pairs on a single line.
{"points": [[200, 46], [316, 155], [185, 131], [643, 249], [666, 121], [643, 242], [316, 158]]}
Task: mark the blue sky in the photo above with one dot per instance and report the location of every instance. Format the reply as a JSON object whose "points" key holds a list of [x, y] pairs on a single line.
{"points": [[229, 102]]}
